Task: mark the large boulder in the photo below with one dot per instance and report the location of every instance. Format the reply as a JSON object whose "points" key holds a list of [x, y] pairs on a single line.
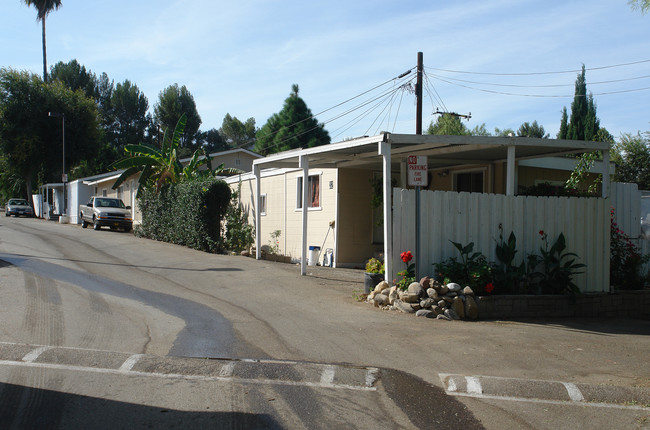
{"points": [[471, 308], [403, 307], [458, 306], [416, 288]]}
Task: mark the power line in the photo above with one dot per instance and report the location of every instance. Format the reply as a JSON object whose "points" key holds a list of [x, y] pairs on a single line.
{"points": [[538, 86], [540, 73]]}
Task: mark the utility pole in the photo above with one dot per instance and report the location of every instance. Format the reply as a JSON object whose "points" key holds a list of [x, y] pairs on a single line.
{"points": [[418, 130], [418, 95]]}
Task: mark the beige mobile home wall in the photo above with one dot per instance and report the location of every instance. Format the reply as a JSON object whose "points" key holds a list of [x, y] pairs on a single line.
{"points": [[282, 213]]}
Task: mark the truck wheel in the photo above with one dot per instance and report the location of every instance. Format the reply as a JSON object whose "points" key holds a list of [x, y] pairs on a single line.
{"points": [[96, 225], [84, 224]]}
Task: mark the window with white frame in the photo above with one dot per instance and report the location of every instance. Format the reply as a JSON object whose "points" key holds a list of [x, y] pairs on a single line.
{"points": [[262, 204], [104, 192], [313, 192]]}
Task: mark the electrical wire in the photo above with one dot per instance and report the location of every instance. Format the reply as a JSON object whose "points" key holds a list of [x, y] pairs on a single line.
{"points": [[540, 73], [538, 86]]}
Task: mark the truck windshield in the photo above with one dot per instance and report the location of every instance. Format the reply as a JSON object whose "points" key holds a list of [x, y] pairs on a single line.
{"points": [[109, 203]]}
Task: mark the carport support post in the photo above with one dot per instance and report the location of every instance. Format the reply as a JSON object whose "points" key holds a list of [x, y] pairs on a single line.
{"points": [[304, 165], [510, 171], [384, 151], [605, 173], [258, 215]]}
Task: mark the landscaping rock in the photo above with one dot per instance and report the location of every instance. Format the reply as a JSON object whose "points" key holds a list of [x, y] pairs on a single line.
{"points": [[416, 288], [403, 307], [438, 310], [449, 313], [443, 290], [425, 313], [380, 300], [427, 303], [407, 297], [471, 308], [453, 287], [458, 307], [443, 317], [416, 306], [424, 282], [385, 291], [467, 291], [392, 295], [432, 293], [442, 303], [381, 286]]}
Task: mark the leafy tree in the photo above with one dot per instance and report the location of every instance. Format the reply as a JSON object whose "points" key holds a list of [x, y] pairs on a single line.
{"points": [[128, 120], [564, 125], [30, 140], [583, 123], [448, 124], [173, 102], [532, 130], [293, 127], [632, 157], [75, 76], [506, 132], [43, 8], [642, 5], [211, 141], [238, 134], [480, 130]]}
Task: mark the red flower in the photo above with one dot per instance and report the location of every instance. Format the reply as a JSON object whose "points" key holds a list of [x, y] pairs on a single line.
{"points": [[541, 232], [489, 288], [406, 256]]}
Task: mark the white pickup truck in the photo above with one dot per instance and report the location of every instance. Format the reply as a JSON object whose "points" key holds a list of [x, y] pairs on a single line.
{"points": [[106, 211]]}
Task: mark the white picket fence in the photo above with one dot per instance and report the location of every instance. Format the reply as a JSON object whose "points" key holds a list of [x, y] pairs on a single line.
{"points": [[476, 217]]}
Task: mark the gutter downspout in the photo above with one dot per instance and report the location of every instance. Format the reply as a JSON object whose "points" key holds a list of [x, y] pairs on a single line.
{"points": [[258, 216]]}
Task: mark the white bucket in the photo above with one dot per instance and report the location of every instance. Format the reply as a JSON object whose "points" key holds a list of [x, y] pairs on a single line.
{"points": [[313, 255]]}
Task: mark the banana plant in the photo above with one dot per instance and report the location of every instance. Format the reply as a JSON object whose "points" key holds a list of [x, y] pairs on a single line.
{"points": [[156, 166]]}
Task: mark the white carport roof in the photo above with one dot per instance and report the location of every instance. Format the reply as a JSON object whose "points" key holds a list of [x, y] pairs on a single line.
{"points": [[386, 151]]}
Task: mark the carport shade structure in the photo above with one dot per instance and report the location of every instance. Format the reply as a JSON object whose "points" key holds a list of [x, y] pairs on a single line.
{"points": [[388, 150]]}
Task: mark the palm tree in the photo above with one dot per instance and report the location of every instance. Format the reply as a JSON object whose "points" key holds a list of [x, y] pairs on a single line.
{"points": [[43, 7]]}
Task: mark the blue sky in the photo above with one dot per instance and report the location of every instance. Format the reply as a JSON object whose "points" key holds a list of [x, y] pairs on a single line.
{"points": [[242, 57]]}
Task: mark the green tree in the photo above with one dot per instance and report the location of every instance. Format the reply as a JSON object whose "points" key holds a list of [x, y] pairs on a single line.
{"points": [[532, 130], [583, 122], [212, 141], [448, 124], [173, 102], [642, 5], [238, 134], [632, 157], [480, 130], [75, 76], [43, 8], [32, 141], [506, 132], [128, 119], [293, 127], [564, 125]]}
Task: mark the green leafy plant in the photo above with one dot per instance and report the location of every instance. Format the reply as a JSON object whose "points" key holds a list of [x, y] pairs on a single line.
{"points": [[274, 246], [625, 260], [508, 277], [554, 268], [472, 270], [238, 233], [375, 265], [408, 274]]}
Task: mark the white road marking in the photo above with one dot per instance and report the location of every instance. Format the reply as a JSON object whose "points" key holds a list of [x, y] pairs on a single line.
{"points": [[31, 356], [227, 370], [327, 377], [473, 385], [574, 392], [130, 362], [371, 376]]}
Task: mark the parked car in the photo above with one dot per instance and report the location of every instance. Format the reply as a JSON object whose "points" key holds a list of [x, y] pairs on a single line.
{"points": [[106, 211], [17, 207]]}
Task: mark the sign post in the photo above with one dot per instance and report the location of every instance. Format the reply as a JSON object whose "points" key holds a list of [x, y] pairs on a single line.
{"points": [[417, 177]]}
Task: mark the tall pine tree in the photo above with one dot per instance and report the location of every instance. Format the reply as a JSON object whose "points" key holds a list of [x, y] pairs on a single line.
{"points": [[583, 123], [293, 127]]}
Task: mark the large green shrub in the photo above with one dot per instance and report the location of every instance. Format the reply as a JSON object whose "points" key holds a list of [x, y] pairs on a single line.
{"points": [[187, 214]]}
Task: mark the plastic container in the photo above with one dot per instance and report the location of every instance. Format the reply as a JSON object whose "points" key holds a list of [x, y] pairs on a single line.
{"points": [[313, 255]]}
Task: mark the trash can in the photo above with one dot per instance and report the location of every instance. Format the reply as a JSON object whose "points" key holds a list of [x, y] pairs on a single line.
{"points": [[313, 255]]}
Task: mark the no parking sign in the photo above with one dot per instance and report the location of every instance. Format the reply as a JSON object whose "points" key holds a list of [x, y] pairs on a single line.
{"points": [[417, 170]]}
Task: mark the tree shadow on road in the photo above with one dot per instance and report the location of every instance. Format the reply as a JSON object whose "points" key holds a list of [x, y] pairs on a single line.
{"points": [[603, 326]]}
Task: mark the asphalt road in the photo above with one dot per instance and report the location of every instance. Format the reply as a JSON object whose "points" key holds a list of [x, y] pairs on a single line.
{"points": [[102, 329]]}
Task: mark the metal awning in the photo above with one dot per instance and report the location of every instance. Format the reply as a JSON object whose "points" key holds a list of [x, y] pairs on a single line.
{"points": [[386, 151]]}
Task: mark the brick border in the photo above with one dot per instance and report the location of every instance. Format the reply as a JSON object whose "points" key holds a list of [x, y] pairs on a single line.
{"points": [[633, 304]]}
